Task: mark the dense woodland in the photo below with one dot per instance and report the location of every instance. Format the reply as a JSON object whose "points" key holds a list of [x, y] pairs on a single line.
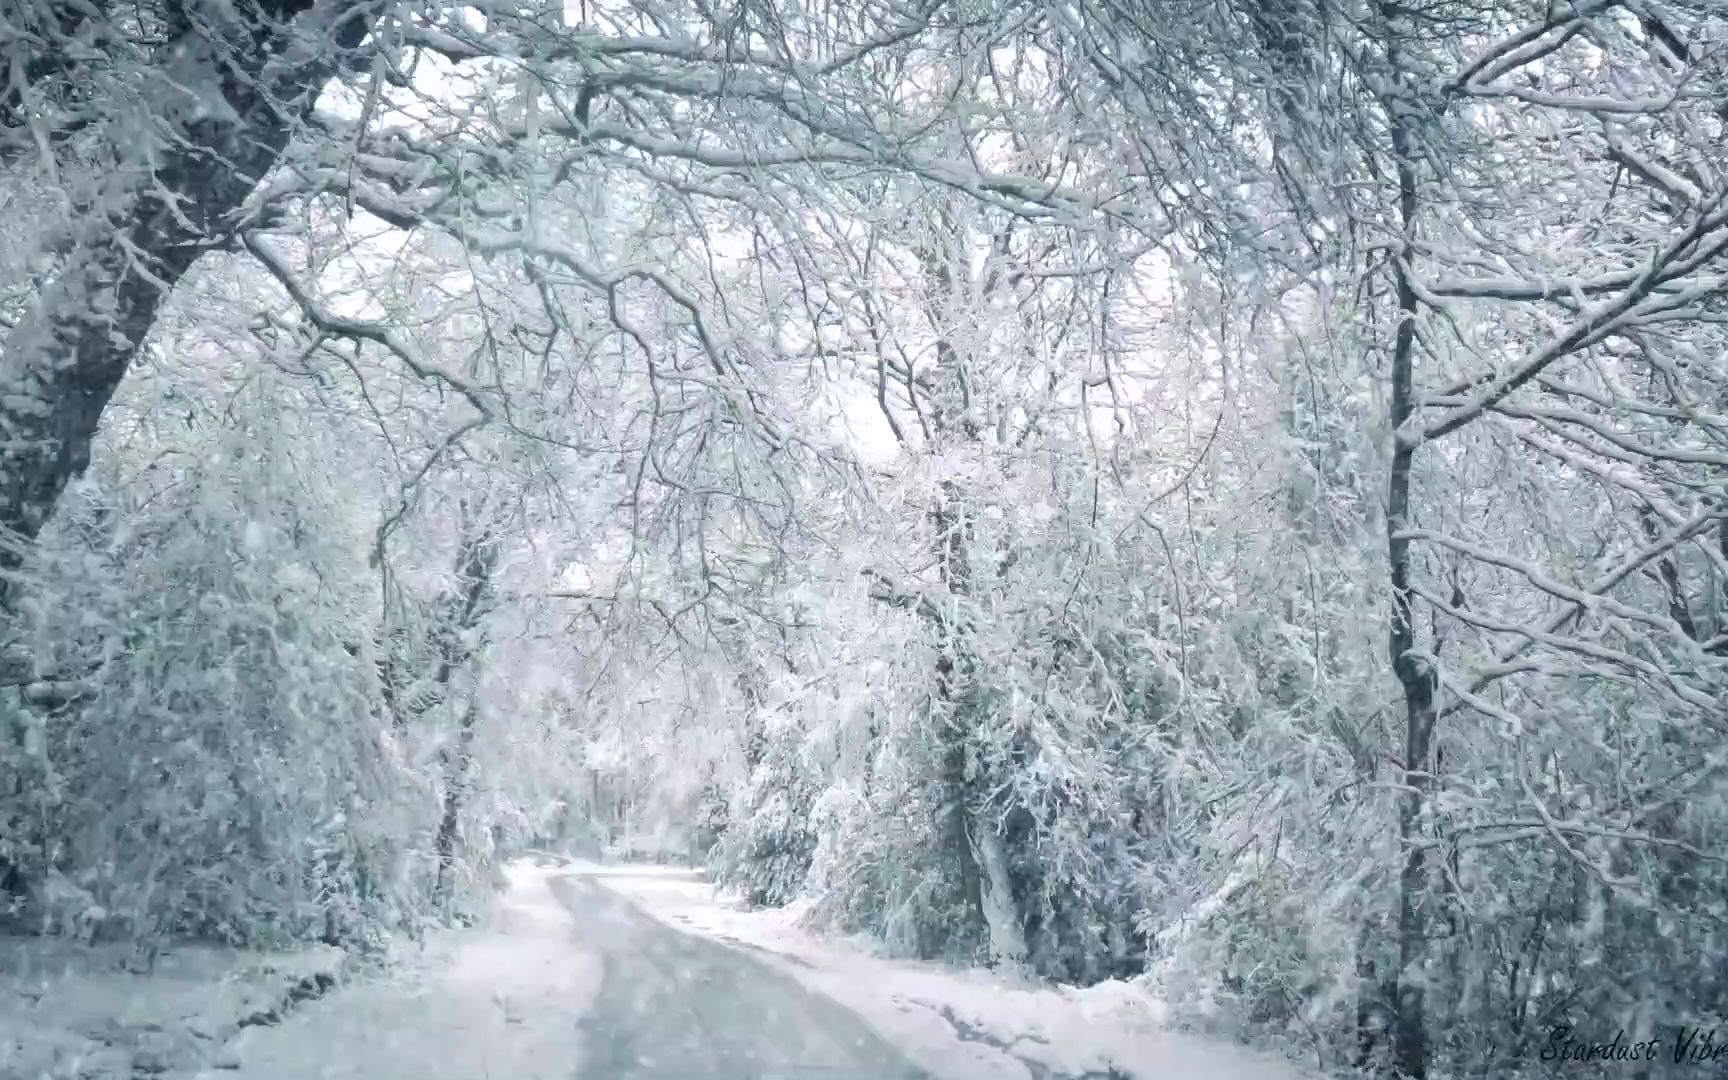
{"points": [[1229, 492]]}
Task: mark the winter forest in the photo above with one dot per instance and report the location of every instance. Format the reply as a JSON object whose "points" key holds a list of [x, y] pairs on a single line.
{"points": [[1229, 494]]}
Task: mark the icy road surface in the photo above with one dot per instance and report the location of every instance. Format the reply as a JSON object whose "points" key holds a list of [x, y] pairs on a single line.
{"points": [[673, 1006]]}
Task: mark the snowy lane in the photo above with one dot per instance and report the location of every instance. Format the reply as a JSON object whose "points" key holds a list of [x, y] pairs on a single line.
{"points": [[569, 980], [674, 1006], [643, 973], [953, 1023], [500, 1000]]}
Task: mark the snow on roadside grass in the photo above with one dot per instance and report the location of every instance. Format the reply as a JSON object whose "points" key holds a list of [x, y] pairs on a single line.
{"points": [[73, 1010], [498, 1000], [959, 1024]]}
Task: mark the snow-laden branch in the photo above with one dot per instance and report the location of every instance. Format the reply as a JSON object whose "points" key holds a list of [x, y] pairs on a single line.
{"points": [[1590, 650], [884, 590], [1527, 46], [1615, 445], [1583, 599], [808, 94], [1594, 322], [1596, 104], [331, 323], [1562, 289]]}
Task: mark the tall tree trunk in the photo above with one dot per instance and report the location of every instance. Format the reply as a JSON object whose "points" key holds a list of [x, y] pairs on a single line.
{"points": [[953, 673], [232, 93], [986, 881], [997, 899], [1415, 675], [458, 775], [475, 563]]}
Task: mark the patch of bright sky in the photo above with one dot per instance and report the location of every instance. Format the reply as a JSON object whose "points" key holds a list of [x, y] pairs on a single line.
{"points": [[440, 89]]}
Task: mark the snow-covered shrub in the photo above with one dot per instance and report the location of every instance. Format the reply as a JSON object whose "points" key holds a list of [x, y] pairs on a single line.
{"points": [[765, 853], [217, 766], [880, 864]]}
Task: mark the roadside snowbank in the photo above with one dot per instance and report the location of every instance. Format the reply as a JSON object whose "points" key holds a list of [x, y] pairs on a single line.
{"points": [[958, 1024], [71, 1010], [501, 999], [498, 1000]]}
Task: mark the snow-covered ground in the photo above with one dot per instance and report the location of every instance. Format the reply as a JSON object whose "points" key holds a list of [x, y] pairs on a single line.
{"points": [[958, 1024], [618, 973], [498, 1000], [71, 1010]]}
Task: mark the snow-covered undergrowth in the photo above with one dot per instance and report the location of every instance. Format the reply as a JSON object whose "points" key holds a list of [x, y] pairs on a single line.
{"points": [[70, 1010], [497, 999], [959, 1024]]}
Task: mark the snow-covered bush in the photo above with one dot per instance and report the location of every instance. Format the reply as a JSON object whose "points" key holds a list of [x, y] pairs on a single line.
{"points": [[765, 852], [215, 764], [881, 864]]}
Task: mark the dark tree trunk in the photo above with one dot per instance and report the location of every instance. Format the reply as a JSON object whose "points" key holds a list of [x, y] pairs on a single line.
{"points": [[1410, 1029], [62, 363]]}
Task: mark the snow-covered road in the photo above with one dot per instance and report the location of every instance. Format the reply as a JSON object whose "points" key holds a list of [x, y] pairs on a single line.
{"points": [[586, 972], [571, 980], [500, 1001], [675, 1006]]}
